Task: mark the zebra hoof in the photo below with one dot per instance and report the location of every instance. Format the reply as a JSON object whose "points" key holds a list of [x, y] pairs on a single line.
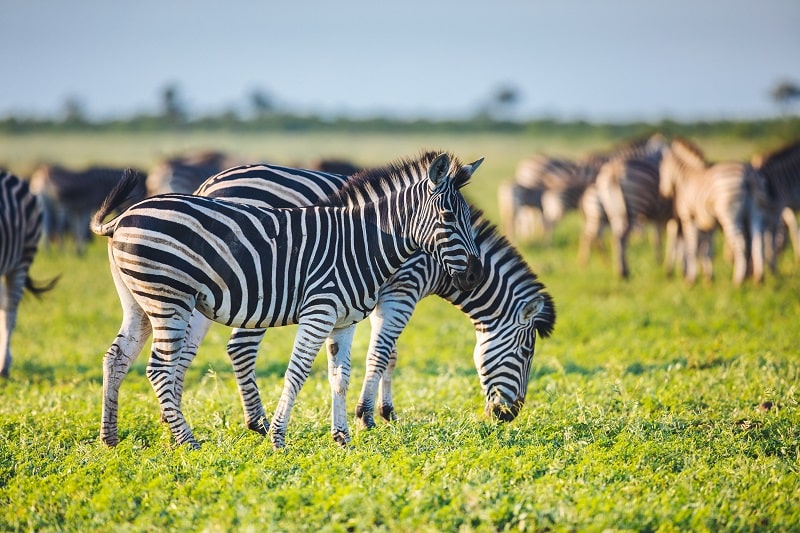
{"points": [[365, 416], [260, 426], [341, 437], [109, 440], [388, 414]]}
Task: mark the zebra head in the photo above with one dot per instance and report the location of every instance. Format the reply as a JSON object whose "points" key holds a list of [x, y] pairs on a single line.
{"points": [[504, 353], [678, 158], [443, 225]]}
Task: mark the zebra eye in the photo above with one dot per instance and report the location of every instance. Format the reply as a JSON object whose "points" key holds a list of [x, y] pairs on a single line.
{"points": [[449, 217]]}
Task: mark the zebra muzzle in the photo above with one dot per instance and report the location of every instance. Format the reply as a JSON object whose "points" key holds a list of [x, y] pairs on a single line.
{"points": [[472, 276], [503, 410]]}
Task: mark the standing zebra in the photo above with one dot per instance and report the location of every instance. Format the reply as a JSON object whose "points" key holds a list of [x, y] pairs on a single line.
{"points": [[70, 197], [724, 194], [508, 309], [781, 170], [625, 192], [319, 267], [20, 230]]}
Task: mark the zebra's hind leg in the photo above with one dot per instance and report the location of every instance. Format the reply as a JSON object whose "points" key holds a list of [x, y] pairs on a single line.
{"points": [[338, 348], [169, 334], [243, 350], [198, 327], [307, 343]]}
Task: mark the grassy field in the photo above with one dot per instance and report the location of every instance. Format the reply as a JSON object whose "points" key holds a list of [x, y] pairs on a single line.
{"points": [[654, 406]]}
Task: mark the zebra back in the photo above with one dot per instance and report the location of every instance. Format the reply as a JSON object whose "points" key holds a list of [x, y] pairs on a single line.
{"points": [[781, 169]]}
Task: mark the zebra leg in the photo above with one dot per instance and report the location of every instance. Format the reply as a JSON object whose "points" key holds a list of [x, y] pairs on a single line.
{"points": [[790, 219], [6, 327], [620, 228], [243, 350], [307, 344], [198, 328], [690, 234], [131, 338], [388, 320], [169, 335], [338, 348], [386, 405]]}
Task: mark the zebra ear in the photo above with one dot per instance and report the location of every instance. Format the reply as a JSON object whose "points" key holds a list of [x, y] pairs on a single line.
{"points": [[532, 308], [465, 173], [472, 167], [437, 171]]}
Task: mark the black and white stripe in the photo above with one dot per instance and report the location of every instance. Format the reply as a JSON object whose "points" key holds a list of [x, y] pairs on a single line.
{"points": [[20, 231], [626, 193], [244, 266], [781, 170], [729, 195], [508, 308], [183, 174]]}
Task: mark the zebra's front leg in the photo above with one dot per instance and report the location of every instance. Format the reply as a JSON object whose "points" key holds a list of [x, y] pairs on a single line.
{"points": [[338, 346], [388, 321], [307, 343], [243, 351], [169, 334], [386, 404]]}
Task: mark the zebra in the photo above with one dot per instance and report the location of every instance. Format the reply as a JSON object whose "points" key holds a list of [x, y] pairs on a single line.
{"points": [[20, 231], [70, 197], [184, 173], [726, 194], [781, 170], [319, 267], [554, 186], [508, 309], [625, 191]]}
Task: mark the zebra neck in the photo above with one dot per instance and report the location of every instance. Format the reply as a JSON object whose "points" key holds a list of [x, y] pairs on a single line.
{"points": [[389, 242]]}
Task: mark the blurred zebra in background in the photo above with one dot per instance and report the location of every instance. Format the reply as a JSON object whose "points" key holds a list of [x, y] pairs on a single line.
{"points": [[551, 187], [624, 194], [20, 231], [69, 198], [729, 195], [319, 267], [184, 173], [781, 170]]}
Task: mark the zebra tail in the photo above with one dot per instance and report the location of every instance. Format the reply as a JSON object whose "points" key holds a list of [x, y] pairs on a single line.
{"points": [[122, 192], [37, 289]]}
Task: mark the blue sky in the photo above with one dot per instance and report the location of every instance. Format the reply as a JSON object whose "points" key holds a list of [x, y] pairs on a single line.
{"points": [[611, 60]]}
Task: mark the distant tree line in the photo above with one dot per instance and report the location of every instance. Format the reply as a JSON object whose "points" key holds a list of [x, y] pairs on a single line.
{"points": [[495, 115]]}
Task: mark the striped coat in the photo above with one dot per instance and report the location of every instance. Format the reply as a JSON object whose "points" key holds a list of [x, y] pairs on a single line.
{"points": [[250, 267], [728, 195], [20, 231]]}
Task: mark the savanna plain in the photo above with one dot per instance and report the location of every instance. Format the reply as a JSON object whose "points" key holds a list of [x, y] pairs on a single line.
{"points": [[654, 406]]}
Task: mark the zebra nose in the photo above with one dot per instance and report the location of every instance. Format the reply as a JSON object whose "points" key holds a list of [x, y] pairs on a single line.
{"points": [[472, 276], [504, 411]]}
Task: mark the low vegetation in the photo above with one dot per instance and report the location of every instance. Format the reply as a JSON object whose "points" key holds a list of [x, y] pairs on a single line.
{"points": [[654, 406]]}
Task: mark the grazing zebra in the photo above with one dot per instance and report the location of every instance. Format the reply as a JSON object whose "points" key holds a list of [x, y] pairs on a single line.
{"points": [[70, 197], [508, 309], [183, 174], [624, 193], [20, 230], [724, 194], [781, 170], [319, 267]]}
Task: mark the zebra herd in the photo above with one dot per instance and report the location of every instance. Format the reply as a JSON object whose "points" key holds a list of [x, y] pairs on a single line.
{"points": [[258, 245], [672, 186]]}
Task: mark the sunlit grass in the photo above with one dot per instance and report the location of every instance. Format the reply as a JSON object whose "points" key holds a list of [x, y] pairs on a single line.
{"points": [[654, 406]]}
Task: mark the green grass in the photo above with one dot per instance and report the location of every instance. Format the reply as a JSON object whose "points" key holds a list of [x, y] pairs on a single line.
{"points": [[646, 411]]}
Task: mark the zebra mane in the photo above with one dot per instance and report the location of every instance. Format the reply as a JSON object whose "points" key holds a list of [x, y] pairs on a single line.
{"points": [[502, 251], [777, 161], [392, 177], [689, 152]]}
